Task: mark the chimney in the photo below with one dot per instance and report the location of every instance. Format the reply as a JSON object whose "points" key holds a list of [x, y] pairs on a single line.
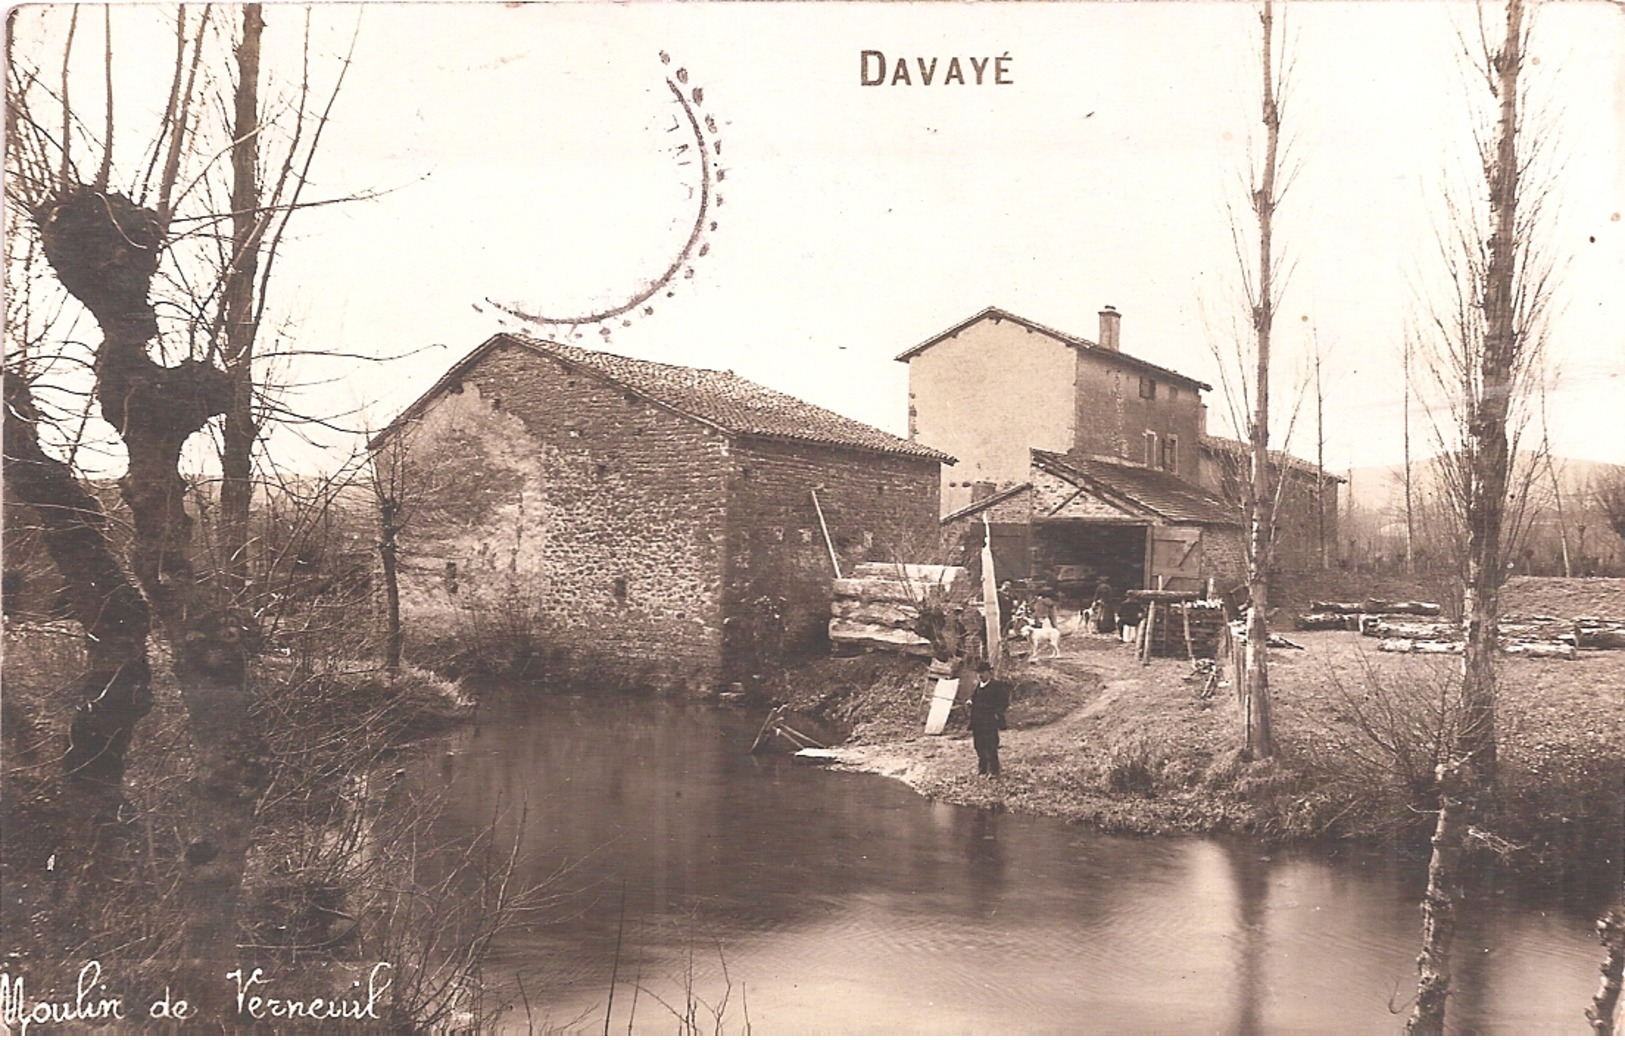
{"points": [[1111, 324]]}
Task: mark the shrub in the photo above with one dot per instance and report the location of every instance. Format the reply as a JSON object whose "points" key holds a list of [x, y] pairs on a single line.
{"points": [[1132, 767]]}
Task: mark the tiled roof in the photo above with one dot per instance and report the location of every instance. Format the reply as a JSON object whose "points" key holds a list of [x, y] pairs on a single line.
{"points": [[1075, 342], [986, 503], [1154, 490], [719, 399], [1231, 446]]}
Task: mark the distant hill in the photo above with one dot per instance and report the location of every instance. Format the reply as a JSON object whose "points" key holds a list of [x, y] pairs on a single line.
{"points": [[1381, 489]]}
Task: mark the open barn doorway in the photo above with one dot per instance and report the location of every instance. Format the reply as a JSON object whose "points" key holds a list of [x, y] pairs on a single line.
{"points": [[1074, 556]]}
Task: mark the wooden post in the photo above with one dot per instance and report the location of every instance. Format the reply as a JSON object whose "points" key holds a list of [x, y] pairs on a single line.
{"points": [[1150, 624], [833, 561], [762, 735]]}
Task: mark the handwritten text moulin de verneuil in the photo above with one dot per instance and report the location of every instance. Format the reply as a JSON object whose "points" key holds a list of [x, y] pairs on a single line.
{"points": [[93, 1004]]}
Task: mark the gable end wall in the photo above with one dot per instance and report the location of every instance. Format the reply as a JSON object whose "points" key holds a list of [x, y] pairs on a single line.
{"points": [[585, 513]]}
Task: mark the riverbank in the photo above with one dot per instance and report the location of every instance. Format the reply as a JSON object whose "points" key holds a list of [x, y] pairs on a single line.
{"points": [[1097, 737], [336, 839]]}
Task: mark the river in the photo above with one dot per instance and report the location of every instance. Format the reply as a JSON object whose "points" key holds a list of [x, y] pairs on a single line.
{"points": [[789, 899]]}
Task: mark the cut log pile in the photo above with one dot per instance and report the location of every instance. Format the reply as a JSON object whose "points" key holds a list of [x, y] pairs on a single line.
{"points": [[1402, 628], [1595, 633], [876, 608], [1420, 646]]}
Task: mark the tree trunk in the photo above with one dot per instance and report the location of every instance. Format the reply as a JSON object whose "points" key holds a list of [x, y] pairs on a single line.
{"points": [[1439, 904], [1258, 743], [1410, 502], [239, 433], [1488, 459], [105, 249], [388, 554], [115, 692], [1320, 464]]}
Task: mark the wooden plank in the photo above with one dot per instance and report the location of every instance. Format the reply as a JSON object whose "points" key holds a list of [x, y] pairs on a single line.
{"points": [[896, 615], [766, 731], [942, 702], [1161, 596], [815, 757], [919, 573], [883, 590], [878, 637]]}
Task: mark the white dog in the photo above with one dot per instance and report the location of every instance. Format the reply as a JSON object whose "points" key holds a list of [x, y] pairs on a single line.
{"points": [[1045, 634]]}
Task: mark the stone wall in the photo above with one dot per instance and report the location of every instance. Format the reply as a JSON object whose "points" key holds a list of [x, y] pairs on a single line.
{"points": [[988, 395], [1114, 419], [1223, 557], [556, 512], [877, 507], [1297, 518]]}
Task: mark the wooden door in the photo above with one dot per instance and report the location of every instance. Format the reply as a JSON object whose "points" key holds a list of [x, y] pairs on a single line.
{"points": [[1176, 557]]}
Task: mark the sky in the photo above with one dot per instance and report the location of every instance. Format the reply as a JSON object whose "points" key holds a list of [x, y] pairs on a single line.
{"points": [[525, 154]]}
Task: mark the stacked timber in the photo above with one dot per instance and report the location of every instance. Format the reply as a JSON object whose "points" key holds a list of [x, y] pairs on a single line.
{"points": [[1595, 633], [1526, 635], [877, 607], [1352, 616], [1537, 629], [1328, 619], [1384, 627], [1420, 646], [1526, 648], [1191, 627]]}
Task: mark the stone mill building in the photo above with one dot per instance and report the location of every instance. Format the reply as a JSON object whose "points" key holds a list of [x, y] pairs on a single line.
{"points": [[639, 523]]}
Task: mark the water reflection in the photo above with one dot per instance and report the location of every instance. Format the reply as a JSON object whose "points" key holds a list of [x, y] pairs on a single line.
{"points": [[833, 903]]}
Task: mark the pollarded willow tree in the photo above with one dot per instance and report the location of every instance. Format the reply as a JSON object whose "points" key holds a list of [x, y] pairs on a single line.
{"points": [[1483, 348], [164, 230]]}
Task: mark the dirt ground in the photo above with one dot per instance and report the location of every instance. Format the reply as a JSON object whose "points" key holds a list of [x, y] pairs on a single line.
{"points": [[1098, 737]]}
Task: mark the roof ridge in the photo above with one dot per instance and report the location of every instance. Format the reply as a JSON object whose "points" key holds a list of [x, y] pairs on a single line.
{"points": [[719, 398], [992, 310]]}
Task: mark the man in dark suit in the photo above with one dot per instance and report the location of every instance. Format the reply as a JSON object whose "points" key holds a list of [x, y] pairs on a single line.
{"points": [[988, 705]]}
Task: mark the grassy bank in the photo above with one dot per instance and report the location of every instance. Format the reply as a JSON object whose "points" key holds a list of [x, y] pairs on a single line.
{"points": [[333, 880], [1098, 738]]}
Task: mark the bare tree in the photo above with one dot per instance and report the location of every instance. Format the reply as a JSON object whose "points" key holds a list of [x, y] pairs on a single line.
{"points": [[238, 434], [1248, 395], [1608, 489], [1261, 499], [1320, 461], [158, 382], [1545, 456], [1486, 343], [1410, 486]]}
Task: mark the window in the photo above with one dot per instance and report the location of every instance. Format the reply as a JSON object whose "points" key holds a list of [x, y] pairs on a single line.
{"points": [[449, 579], [1170, 453], [619, 588], [1148, 388], [1150, 448]]}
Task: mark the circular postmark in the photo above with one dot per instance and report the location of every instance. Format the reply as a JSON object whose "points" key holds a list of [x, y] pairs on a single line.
{"points": [[695, 147]]}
